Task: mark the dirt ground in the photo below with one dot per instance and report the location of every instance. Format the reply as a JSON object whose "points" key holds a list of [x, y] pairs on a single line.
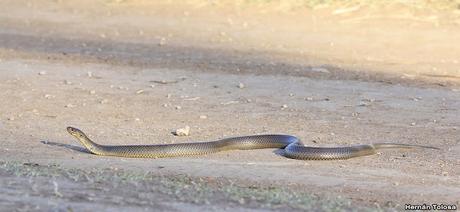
{"points": [[131, 72]]}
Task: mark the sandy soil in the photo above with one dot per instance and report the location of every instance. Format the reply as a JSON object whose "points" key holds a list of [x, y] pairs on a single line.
{"points": [[331, 76]]}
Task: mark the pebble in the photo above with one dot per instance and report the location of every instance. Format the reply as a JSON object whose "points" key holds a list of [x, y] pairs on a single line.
{"points": [[368, 100], [364, 104], [69, 105], [48, 96], [229, 102], [309, 98], [284, 106], [178, 107], [192, 99], [412, 124], [241, 85], [90, 74], [42, 73], [203, 117], [183, 131], [104, 101], [67, 82], [92, 92], [162, 42], [321, 70], [11, 118], [140, 91]]}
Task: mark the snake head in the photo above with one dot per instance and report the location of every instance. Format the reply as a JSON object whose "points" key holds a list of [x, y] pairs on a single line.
{"points": [[75, 132]]}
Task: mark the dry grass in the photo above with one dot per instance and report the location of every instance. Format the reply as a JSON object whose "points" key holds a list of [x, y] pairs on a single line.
{"points": [[180, 188]]}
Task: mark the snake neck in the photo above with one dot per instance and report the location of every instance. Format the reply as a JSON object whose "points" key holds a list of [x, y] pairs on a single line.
{"points": [[91, 146]]}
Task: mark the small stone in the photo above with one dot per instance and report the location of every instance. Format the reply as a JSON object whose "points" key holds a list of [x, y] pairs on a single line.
{"points": [[137, 119], [241, 85], [182, 131], [364, 104], [368, 100], [203, 117], [69, 105], [241, 201], [162, 42], [140, 91], [11, 118], [192, 99], [152, 86], [89, 74], [42, 73], [165, 105], [284, 106], [104, 101], [48, 96], [92, 92], [309, 98], [320, 70], [178, 107], [412, 124], [291, 94]]}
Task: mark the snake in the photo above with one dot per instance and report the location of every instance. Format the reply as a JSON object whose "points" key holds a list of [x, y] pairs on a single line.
{"points": [[292, 146]]}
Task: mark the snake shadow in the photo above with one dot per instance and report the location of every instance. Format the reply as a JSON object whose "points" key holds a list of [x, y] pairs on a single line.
{"points": [[68, 146], [279, 152]]}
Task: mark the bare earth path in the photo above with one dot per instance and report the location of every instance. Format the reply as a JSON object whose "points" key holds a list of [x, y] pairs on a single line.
{"points": [[112, 89]]}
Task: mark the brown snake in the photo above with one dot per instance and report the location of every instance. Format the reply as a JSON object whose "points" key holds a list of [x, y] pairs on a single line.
{"points": [[293, 147]]}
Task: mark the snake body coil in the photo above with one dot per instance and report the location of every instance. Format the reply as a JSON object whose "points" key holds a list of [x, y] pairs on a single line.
{"points": [[293, 148]]}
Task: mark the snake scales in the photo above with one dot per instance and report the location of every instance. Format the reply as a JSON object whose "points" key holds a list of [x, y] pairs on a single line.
{"points": [[293, 147]]}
